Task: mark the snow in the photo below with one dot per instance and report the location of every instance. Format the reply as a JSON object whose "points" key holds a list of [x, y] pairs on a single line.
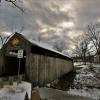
{"points": [[92, 93], [80, 64], [87, 81], [87, 76], [96, 65], [8, 38], [27, 87], [16, 91]]}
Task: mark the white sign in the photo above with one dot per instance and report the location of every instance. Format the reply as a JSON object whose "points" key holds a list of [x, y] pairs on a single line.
{"points": [[20, 53]]}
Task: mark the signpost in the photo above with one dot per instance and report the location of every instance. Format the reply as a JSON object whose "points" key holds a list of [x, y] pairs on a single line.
{"points": [[19, 55]]}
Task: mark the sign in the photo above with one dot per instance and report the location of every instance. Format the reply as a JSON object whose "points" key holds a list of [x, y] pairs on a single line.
{"points": [[15, 42], [20, 53]]}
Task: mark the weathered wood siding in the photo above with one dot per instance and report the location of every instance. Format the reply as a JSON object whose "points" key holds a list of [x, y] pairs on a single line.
{"points": [[41, 64], [41, 69]]}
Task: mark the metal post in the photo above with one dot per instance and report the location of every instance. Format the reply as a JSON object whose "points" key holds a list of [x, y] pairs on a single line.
{"points": [[19, 55], [19, 69]]}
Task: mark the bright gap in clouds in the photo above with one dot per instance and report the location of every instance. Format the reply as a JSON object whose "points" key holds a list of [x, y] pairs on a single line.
{"points": [[6, 33], [74, 34], [67, 7], [72, 47], [67, 24]]}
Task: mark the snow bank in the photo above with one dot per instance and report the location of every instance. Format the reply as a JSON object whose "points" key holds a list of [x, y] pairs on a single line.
{"points": [[80, 64], [87, 76], [92, 93], [15, 92], [87, 81]]}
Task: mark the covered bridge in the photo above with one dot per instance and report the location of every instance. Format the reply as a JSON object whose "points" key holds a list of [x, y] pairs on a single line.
{"points": [[39, 64]]}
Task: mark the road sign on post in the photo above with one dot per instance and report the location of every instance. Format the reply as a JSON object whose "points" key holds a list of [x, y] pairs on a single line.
{"points": [[20, 53]]}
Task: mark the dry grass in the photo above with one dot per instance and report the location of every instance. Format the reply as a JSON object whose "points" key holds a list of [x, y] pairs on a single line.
{"points": [[35, 95]]}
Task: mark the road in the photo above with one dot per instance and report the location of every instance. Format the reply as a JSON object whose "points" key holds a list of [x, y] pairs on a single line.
{"points": [[54, 94]]}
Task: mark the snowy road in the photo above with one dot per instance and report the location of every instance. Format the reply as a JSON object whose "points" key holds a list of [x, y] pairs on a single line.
{"points": [[53, 94]]}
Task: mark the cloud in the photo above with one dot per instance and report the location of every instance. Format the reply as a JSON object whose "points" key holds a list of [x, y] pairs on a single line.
{"points": [[53, 19], [87, 12]]}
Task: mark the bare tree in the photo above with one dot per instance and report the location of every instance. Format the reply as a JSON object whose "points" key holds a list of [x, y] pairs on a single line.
{"points": [[94, 35], [39, 37], [60, 45], [82, 50]]}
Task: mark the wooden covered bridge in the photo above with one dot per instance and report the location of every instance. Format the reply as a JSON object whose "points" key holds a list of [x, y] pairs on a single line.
{"points": [[39, 64]]}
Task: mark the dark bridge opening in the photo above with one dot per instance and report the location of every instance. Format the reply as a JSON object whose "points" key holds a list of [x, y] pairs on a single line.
{"points": [[12, 65]]}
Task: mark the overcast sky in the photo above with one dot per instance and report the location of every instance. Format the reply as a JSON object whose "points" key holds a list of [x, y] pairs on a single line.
{"points": [[53, 19]]}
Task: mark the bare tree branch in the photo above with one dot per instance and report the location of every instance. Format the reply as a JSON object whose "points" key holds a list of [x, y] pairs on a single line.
{"points": [[17, 6], [13, 2], [94, 33]]}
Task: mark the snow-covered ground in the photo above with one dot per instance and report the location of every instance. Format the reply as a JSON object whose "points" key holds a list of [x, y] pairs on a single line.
{"points": [[80, 64], [91, 93], [88, 76], [15, 91], [87, 81]]}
